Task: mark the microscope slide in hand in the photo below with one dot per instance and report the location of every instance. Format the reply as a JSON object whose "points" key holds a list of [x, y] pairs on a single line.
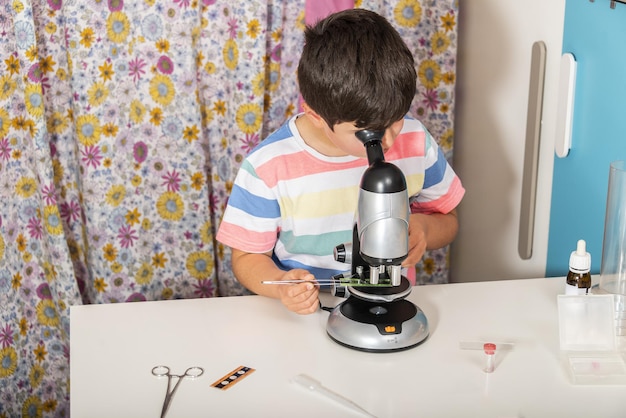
{"points": [[313, 385]]}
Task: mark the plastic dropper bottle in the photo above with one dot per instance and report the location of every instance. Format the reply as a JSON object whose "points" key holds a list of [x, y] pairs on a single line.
{"points": [[578, 277]]}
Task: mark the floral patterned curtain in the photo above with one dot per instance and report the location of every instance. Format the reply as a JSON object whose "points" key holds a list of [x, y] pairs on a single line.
{"points": [[122, 126]]}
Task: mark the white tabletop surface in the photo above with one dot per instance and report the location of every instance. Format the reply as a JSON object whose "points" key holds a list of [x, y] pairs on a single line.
{"points": [[115, 346]]}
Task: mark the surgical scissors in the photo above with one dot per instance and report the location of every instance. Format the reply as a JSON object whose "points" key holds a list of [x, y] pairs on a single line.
{"points": [[164, 371]]}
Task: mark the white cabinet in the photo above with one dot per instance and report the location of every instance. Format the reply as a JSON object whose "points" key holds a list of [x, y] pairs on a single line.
{"points": [[496, 38]]}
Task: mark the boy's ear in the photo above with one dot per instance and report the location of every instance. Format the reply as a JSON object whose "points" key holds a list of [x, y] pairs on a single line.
{"points": [[313, 116]]}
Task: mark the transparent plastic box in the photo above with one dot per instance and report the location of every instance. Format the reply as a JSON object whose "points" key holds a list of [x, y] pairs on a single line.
{"points": [[587, 339]]}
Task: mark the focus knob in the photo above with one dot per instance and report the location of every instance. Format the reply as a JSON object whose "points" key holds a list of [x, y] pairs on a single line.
{"points": [[343, 253]]}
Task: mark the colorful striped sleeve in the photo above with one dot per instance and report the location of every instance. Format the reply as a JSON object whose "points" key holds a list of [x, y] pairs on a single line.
{"points": [[442, 190], [251, 221]]}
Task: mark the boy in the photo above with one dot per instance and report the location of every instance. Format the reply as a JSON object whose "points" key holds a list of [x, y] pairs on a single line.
{"points": [[295, 196]]}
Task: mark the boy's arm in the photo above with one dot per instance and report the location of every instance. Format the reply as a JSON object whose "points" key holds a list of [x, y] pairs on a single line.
{"points": [[429, 232], [251, 269]]}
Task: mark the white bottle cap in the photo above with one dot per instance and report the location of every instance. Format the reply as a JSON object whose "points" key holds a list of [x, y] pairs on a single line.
{"points": [[580, 260]]}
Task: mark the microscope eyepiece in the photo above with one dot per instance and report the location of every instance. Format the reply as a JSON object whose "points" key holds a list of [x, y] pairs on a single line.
{"points": [[366, 136]]}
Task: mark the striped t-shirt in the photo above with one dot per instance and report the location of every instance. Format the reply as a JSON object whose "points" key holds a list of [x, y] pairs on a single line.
{"points": [[291, 199]]}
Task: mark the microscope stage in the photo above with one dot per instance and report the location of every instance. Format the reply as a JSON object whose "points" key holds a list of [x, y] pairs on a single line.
{"points": [[382, 294]]}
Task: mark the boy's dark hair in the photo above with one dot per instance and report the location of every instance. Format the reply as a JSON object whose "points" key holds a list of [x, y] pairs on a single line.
{"points": [[355, 67]]}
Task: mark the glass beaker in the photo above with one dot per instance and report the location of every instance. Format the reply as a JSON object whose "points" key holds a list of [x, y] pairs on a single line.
{"points": [[613, 267]]}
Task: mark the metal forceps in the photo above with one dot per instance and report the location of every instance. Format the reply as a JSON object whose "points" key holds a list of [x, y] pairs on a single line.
{"points": [[164, 371]]}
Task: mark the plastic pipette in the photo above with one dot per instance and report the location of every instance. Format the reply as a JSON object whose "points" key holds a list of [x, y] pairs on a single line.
{"points": [[314, 386]]}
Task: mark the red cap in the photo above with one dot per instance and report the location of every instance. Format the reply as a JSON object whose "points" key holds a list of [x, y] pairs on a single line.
{"points": [[490, 348]]}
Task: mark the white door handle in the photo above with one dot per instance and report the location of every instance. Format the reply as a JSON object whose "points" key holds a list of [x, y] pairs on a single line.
{"points": [[565, 107]]}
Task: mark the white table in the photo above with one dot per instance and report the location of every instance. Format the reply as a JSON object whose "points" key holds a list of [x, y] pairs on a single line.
{"points": [[115, 346]]}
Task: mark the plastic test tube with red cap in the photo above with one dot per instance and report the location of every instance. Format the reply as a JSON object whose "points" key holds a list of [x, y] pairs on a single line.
{"points": [[489, 348], [490, 352]]}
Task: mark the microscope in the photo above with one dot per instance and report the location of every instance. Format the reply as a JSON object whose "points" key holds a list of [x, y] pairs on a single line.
{"points": [[376, 316]]}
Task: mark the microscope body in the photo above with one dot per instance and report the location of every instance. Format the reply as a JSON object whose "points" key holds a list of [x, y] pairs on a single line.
{"points": [[380, 240], [377, 317], [382, 222]]}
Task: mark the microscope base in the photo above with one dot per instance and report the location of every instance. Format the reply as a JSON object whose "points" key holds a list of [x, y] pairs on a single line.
{"points": [[377, 326]]}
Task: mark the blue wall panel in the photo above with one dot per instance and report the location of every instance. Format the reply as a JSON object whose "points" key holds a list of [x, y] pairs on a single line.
{"points": [[596, 35]]}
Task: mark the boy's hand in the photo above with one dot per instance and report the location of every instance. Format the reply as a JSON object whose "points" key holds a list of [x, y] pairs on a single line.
{"points": [[301, 298], [417, 240], [429, 232]]}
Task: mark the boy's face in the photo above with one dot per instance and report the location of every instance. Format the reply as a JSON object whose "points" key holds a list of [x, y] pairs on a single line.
{"points": [[343, 137]]}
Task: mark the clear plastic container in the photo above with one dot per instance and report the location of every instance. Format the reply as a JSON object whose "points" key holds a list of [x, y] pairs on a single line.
{"points": [[587, 338], [613, 265]]}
